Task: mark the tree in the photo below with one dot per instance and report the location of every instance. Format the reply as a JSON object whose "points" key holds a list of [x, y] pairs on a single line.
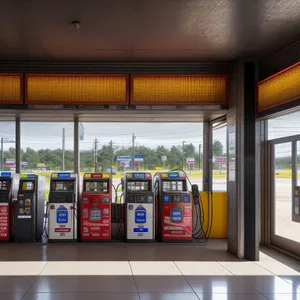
{"points": [[217, 148]]}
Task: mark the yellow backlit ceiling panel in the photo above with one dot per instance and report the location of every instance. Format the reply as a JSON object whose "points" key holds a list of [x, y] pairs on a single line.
{"points": [[11, 89], [280, 88], [179, 90], [76, 89]]}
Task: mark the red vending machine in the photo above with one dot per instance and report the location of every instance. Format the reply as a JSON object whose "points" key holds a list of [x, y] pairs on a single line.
{"points": [[95, 207], [174, 207]]}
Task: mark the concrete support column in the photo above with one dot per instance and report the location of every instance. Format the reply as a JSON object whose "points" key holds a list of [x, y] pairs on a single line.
{"points": [[243, 165]]}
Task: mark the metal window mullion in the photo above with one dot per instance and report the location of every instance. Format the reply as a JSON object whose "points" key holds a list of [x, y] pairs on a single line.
{"points": [[76, 147], [272, 195], [18, 144], [207, 157], [294, 172]]}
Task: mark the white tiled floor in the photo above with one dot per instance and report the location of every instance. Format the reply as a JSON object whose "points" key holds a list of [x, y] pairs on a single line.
{"points": [[143, 272]]}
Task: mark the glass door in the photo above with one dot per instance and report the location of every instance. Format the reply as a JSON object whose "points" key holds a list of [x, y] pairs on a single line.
{"points": [[284, 175]]}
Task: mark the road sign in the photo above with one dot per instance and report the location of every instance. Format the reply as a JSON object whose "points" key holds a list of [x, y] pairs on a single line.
{"points": [[220, 159], [41, 165], [124, 158], [190, 160], [139, 158], [24, 163], [163, 158]]}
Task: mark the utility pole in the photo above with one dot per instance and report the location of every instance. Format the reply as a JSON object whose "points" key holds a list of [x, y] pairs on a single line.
{"points": [[63, 149], [2, 153], [111, 157], [95, 157], [183, 154], [133, 151], [200, 157]]}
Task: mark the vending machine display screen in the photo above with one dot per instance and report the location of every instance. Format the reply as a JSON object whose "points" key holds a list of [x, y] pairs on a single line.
{"points": [[4, 185], [173, 186], [27, 186], [96, 186], [138, 186], [63, 186]]}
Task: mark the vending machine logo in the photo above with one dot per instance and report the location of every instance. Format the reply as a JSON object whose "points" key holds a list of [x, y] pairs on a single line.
{"points": [[176, 215], [62, 215], [3, 209], [95, 213], [140, 215]]}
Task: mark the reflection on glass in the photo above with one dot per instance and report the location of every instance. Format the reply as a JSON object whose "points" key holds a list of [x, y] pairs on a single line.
{"points": [[283, 126], [284, 226]]}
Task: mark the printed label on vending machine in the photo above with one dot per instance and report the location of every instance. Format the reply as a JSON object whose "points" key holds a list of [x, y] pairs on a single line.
{"points": [[4, 221]]}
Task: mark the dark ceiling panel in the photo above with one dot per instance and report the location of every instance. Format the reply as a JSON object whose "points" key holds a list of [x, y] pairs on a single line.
{"points": [[145, 30]]}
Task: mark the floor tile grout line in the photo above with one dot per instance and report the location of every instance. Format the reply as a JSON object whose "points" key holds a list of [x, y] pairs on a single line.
{"points": [[226, 268], [185, 279], [275, 274], [133, 277], [127, 257], [240, 276], [34, 281]]}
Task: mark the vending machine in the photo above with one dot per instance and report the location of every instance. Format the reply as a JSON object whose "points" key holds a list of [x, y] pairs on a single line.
{"points": [[174, 207], [96, 199], [63, 208], [28, 220], [8, 190], [139, 207]]}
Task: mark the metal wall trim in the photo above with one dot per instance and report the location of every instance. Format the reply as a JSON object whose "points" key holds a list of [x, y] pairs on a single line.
{"points": [[116, 67]]}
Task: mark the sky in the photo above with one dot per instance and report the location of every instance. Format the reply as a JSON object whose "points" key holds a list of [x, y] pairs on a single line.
{"points": [[38, 135]]}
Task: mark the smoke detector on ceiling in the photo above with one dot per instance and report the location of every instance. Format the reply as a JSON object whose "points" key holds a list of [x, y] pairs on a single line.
{"points": [[76, 24]]}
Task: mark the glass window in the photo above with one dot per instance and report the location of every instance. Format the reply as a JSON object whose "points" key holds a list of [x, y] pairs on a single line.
{"points": [[157, 147], [284, 126], [7, 146], [47, 147], [219, 164]]}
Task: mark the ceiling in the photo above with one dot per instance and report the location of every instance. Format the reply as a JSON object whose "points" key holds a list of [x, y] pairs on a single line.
{"points": [[145, 30]]}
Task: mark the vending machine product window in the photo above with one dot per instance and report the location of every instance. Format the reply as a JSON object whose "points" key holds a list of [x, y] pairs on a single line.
{"points": [[133, 186], [62, 186], [173, 186], [96, 187], [27, 186], [4, 185]]}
